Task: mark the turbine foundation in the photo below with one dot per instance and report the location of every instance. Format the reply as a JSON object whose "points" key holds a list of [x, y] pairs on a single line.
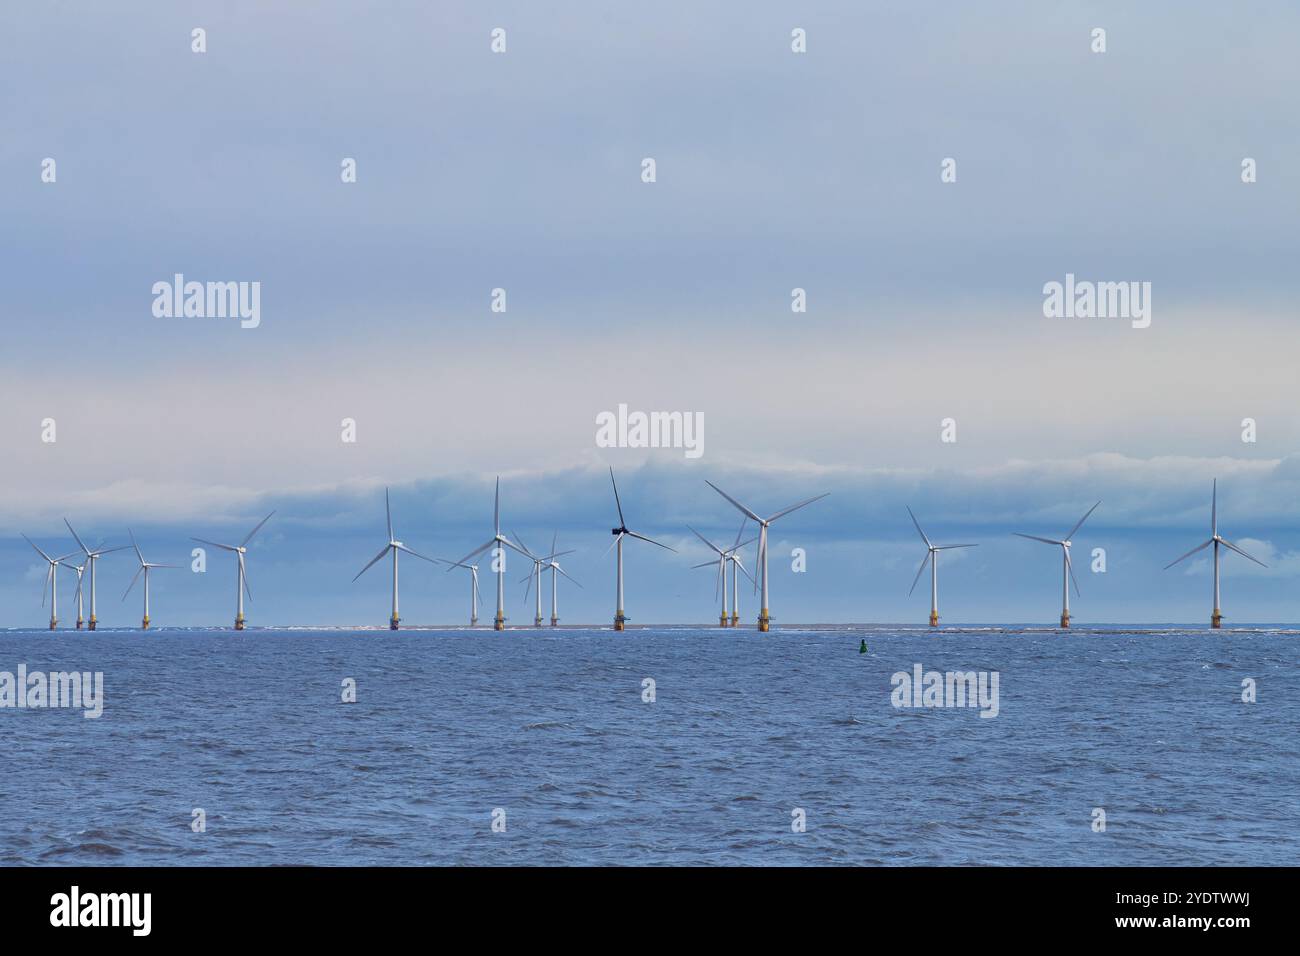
{"points": [[393, 622], [554, 620], [144, 625], [619, 621], [934, 618], [724, 621], [54, 623], [764, 620], [239, 623], [537, 621], [1065, 619], [500, 623], [91, 624], [79, 623], [1216, 619], [735, 619]]}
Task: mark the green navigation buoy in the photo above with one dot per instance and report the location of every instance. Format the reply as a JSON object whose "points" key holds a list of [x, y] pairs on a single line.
{"points": [[862, 648]]}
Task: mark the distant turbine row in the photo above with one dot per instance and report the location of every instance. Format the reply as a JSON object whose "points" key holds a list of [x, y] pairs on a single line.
{"points": [[498, 544], [1067, 569]]}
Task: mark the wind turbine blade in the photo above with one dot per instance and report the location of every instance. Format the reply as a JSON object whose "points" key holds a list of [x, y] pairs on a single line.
{"points": [[136, 546], [566, 574], [744, 572], [743, 522], [523, 547], [715, 548], [622, 522], [259, 528], [38, 550], [949, 547], [473, 554], [1081, 521], [529, 579], [510, 544], [383, 551], [65, 557], [558, 554], [918, 528], [1242, 553], [80, 543], [554, 536], [1034, 537], [707, 564], [496, 508], [741, 545], [247, 591], [1214, 508], [388, 513], [138, 571], [223, 547], [1069, 566], [642, 537], [612, 543], [49, 573], [919, 571], [1199, 547], [415, 554], [741, 508], [802, 504], [103, 551], [717, 583]]}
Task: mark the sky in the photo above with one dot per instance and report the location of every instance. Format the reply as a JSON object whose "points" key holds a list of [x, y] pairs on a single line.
{"points": [[775, 170]]}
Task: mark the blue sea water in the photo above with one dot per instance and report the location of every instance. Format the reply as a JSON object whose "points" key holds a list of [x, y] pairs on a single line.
{"points": [[550, 726]]}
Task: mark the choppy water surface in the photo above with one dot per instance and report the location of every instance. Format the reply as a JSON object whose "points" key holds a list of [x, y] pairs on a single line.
{"points": [[551, 727]]}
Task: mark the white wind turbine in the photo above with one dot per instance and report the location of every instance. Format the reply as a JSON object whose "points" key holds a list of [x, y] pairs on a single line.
{"points": [[241, 582], [932, 556], [724, 557], [1216, 618], [499, 543], [394, 546], [536, 575], [736, 563], [51, 582], [474, 600], [554, 567], [764, 617], [1067, 569], [145, 568], [620, 533], [92, 558], [79, 570]]}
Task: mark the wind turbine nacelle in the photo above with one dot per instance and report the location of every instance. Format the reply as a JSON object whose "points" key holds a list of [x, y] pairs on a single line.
{"points": [[615, 530]]}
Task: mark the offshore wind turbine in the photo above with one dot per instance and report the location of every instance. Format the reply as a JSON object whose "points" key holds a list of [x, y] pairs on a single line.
{"points": [[499, 543], [1067, 569], [932, 557], [620, 533], [536, 573], [393, 546], [145, 568], [92, 558], [723, 558], [554, 567], [79, 570], [736, 563], [241, 582], [764, 617], [474, 600], [51, 582], [1216, 618]]}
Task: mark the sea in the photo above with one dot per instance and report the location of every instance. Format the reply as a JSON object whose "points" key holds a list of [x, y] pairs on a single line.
{"points": [[1111, 745]]}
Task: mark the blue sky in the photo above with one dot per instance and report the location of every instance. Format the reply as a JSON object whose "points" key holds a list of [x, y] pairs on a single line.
{"points": [[775, 171]]}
